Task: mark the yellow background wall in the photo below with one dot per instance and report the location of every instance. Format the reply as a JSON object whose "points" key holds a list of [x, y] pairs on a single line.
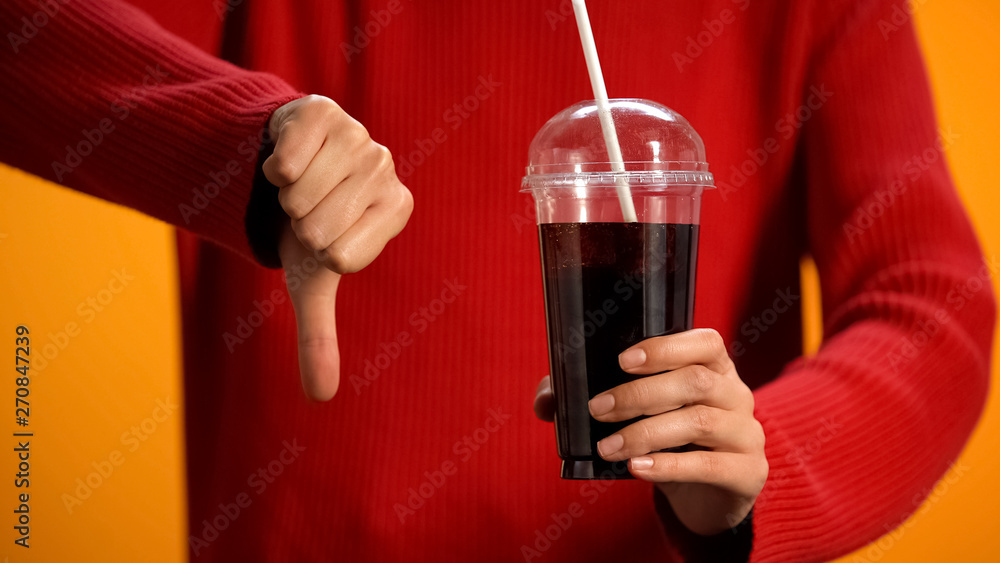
{"points": [[92, 384], [97, 389]]}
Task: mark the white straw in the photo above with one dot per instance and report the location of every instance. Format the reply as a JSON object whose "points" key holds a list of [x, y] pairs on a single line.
{"points": [[604, 109]]}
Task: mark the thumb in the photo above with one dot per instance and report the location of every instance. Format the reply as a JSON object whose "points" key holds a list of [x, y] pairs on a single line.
{"points": [[313, 292]]}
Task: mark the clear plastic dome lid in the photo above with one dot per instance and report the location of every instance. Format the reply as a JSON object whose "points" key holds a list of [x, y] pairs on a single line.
{"points": [[659, 148]]}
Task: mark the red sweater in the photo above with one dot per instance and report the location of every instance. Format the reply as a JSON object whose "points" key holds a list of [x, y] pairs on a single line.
{"points": [[820, 129]]}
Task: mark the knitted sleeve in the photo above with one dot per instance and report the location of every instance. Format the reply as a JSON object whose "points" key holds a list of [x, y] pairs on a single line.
{"points": [[99, 98], [858, 434]]}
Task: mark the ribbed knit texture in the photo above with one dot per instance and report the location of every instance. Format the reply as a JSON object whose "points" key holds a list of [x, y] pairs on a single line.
{"points": [[856, 436], [101, 99]]}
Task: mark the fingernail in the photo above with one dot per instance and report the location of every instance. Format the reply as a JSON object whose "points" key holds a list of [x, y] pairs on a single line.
{"points": [[602, 404], [641, 463], [632, 358], [610, 445]]}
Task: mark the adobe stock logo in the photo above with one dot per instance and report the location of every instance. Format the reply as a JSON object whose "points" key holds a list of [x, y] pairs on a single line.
{"points": [[875, 206], [900, 16], [87, 310], [107, 466], [463, 449], [262, 310], [696, 45], [785, 129], [363, 35], [456, 115], [121, 108], [33, 25], [388, 352], [755, 328], [558, 524], [258, 481]]}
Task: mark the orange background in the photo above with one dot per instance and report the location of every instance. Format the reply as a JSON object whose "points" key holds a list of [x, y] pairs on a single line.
{"points": [[59, 249]]}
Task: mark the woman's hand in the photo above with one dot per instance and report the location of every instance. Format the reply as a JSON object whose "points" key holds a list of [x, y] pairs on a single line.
{"points": [[693, 395], [339, 188]]}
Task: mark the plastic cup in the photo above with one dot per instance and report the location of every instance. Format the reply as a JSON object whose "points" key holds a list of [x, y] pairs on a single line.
{"points": [[609, 283]]}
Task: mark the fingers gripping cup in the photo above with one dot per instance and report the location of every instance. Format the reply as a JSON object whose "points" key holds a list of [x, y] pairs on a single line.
{"points": [[609, 283]]}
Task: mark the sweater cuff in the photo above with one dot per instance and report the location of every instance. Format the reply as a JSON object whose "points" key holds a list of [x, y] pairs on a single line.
{"points": [[733, 545], [244, 216]]}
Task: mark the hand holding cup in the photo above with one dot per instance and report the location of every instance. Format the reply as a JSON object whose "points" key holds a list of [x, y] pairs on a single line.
{"points": [[691, 395]]}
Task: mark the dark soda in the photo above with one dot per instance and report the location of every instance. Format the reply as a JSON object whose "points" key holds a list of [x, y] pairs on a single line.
{"points": [[607, 287]]}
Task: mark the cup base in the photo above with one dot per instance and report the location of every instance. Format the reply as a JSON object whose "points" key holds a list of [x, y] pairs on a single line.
{"points": [[589, 469]]}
